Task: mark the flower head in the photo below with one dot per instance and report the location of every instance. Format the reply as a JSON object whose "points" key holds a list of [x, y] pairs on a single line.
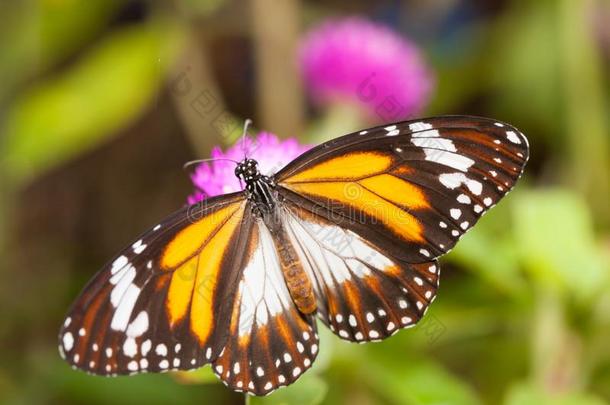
{"points": [[218, 176], [362, 62]]}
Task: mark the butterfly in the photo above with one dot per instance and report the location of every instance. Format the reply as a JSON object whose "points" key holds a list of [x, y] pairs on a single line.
{"points": [[349, 233]]}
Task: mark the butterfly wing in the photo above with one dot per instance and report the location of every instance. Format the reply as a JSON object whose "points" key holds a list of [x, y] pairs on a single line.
{"points": [[363, 292], [160, 304], [406, 192], [270, 342]]}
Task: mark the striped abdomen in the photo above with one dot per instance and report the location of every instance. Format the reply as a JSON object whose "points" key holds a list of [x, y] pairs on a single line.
{"points": [[298, 282]]}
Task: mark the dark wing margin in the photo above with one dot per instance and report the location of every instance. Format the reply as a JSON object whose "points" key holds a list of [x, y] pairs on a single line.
{"points": [[159, 305]]}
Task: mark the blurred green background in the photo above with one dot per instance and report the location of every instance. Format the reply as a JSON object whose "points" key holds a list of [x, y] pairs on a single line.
{"points": [[97, 117]]}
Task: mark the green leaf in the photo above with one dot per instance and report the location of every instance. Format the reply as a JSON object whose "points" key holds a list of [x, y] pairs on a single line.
{"points": [[308, 390], [556, 240], [416, 381], [35, 36], [101, 94]]}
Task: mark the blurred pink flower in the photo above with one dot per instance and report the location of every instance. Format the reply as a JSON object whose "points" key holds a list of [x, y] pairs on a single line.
{"points": [[218, 177], [362, 62]]}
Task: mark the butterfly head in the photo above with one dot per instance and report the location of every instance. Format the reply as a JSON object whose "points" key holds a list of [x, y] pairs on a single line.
{"points": [[248, 171]]}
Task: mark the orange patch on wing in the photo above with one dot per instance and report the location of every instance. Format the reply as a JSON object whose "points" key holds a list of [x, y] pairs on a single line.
{"points": [[351, 166], [208, 272], [284, 329], [354, 195], [88, 320], [181, 290], [396, 190], [352, 297], [393, 270], [373, 284], [402, 170], [162, 280], [190, 239], [263, 336], [333, 305], [244, 340]]}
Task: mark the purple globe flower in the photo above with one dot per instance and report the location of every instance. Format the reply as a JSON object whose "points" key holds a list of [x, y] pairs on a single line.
{"points": [[218, 177], [361, 62]]}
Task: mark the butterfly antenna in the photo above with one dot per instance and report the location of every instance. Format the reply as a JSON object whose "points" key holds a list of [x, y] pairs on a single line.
{"points": [[194, 162], [247, 123]]}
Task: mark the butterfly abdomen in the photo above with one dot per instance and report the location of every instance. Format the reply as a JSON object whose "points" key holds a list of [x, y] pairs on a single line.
{"points": [[297, 281]]}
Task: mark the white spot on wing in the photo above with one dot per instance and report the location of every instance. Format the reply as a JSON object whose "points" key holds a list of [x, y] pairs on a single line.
{"points": [[118, 264], [68, 341], [441, 150], [130, 348], [512, 136], [138, 326], [454, 180], [463, 198], [146, 347], [138, 247], [123, 311], [419, 126], [161, 350]]}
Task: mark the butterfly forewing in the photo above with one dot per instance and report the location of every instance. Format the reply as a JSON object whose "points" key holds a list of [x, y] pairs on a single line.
{"points": [[160, 304], [414, 187]]}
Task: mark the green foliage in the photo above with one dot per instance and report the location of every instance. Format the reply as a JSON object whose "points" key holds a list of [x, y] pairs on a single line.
{"points": [[422, 382], [309, 390], [554, 235], [36, 35], [72, 113]]}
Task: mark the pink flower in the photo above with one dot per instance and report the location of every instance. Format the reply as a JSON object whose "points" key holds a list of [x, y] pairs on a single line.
{"points": [[359, 61], [218, 177]]}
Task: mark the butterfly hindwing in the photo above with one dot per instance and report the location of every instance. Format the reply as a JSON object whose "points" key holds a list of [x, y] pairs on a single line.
{"points": [[160, 304], [270, 342], [363, 292]]}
